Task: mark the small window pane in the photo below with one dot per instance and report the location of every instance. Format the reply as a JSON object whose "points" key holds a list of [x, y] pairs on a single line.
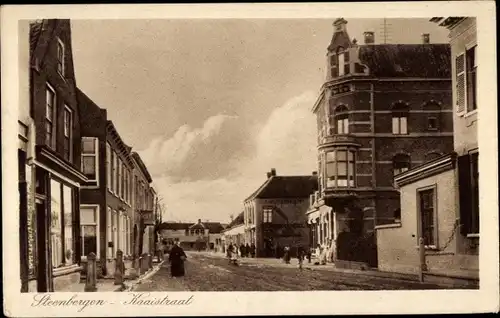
{"points": [[330, 156], [395, 125], [341, 182], [342, 169], [341, 156], [88, 146], [330, 169], [88, 165], [88, 215], [403, 124], [351, 156]]}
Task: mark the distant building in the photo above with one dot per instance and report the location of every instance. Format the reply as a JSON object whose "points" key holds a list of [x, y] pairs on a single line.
{"points": [[440, 199], [234, 233], [383, 109], [193, 236], [275, 214]]}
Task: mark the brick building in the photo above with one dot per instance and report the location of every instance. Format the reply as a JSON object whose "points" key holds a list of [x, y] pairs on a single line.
{"points": [[144, 206], [383, 109], [50, 216], [275, 214], [440, 199], [105, 201]]}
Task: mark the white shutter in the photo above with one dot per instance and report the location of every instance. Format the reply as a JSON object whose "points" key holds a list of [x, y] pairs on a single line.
{"points": [[460, 83], [108, 232]]}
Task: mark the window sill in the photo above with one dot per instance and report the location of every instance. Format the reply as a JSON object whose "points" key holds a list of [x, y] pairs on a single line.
{"points": [[388, 226], [473, 235], [471, 113], [60, 271]]}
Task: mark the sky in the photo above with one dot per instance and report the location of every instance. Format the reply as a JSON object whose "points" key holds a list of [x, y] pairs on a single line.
{"points": [[212, 105]]}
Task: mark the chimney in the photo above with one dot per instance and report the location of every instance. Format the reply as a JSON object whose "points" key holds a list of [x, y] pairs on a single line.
{"points": [[199, 221], [273, 172], [369, 37], [315, 173], [426, 38], [269, 175], [340, 25]]}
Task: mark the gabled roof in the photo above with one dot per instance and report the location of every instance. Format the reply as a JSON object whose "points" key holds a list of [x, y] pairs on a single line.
{"points": [[197, 226], [238, 220], [174, 226], [213, 227], [407, 60], [286, 187]]}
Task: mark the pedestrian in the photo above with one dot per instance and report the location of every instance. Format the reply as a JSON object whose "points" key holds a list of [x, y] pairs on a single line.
{"points": [[252, 249], [229, 252], [309, 254], [234, 256], [247, 250], [286, 256], [176, 259], [277, 251], [242, 250], [300, 257]]}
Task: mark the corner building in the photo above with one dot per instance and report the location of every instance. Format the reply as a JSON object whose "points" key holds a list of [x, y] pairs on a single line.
{"points": [[383, 109]]}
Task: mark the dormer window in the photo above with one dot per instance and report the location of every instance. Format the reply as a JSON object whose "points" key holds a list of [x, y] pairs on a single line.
{"points": [[60, 57], [343, 61]]}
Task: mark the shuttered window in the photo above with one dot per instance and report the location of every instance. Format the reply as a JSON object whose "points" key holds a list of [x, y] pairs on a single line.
{"points": [[460, 85], [465, 190]]}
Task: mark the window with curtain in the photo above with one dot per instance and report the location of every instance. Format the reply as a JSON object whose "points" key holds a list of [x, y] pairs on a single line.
{"points": [[400, 113], [89, 231], [89, 157], [267, 214]]}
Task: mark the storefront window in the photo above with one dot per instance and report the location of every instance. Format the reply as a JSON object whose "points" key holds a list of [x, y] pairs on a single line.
{"points": [[56, 225], [88, 220]]}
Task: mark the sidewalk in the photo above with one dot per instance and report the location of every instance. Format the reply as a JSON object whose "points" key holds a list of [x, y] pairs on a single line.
{"points": [[108, 284]]}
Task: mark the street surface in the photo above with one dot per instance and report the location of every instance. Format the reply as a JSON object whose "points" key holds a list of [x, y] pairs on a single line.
{"points": [[205, 272]]}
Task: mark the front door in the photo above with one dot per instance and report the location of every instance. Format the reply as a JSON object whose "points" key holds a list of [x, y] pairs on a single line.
{"points": [[43, 266]]}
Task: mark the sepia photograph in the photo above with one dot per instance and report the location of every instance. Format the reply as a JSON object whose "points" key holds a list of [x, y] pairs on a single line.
{"points": [[162, 157]]}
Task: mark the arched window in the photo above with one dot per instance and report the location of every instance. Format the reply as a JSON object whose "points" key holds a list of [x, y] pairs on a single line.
{"points": [[401, 163], [342, 120], [400, 118], [432, 155]]}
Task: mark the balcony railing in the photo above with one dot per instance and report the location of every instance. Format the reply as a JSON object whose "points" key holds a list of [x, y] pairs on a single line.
{"points": [[339, 140]]}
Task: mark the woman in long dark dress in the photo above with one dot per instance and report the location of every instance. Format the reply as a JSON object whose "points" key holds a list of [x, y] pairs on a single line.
{"points": [[176, 259]]}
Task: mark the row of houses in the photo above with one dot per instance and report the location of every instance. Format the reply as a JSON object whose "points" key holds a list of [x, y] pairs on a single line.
{"points": [[82, 189], [397, 160], [201, 235]]}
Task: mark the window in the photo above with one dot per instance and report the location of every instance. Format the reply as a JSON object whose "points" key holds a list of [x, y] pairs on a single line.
{"points": [[68, 133], [343, 61], [115, 173], [109, 175], [427, 215], [109, 232], [61, 229], [401, 163], [89, 217], [460, 82], [50, 115], [267, 215], [115, 229], [399, 119], [340, 168], [119, 178], [432, 123], [342, 119], [471, 67], [89, 157], [60, 57]]}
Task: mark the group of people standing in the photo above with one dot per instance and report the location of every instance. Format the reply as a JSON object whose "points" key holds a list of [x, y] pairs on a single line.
{"points": [[244, 250]]}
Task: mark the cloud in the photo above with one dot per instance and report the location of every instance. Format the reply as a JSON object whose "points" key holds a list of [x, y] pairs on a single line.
{"points": [[219, 178]]}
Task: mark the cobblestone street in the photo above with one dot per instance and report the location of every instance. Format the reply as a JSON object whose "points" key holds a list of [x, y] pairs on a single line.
{"points": [[205, 272]]}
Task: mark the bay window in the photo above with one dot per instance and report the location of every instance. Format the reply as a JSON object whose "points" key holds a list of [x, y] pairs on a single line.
{"points": [[61, 226], [89, 216], [340, 168], [89, 158]]}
